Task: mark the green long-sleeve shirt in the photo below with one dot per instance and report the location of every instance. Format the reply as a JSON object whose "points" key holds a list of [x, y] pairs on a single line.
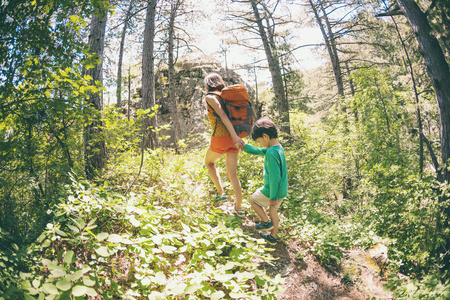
{"points": [[275, 170]]}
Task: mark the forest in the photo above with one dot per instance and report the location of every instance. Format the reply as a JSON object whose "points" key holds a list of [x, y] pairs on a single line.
{"points": [[104, 192]]}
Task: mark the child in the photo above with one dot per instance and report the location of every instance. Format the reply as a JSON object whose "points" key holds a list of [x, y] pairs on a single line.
{"points": [[274, 190]]}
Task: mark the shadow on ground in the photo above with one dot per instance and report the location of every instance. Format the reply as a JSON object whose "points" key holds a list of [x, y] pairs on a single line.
{"points": [[304, 277]]}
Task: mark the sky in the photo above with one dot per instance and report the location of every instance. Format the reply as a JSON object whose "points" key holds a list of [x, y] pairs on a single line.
{"points": [[210, 41]]}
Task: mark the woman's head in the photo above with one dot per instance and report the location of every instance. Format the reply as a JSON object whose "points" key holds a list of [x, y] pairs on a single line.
{"points": [[214, 82], [264, 125]]}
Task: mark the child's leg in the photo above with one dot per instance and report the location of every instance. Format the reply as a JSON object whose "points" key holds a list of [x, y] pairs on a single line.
{"points": [[259, 211], [210, 161], [231, 161], [273, 213]]}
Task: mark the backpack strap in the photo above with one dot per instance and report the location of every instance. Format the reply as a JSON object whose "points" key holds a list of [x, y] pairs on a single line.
{"points": [[221, 103], [212, 109]]}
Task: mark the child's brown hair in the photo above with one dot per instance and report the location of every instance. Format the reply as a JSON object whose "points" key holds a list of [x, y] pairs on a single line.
{"points": [[264, 125]]}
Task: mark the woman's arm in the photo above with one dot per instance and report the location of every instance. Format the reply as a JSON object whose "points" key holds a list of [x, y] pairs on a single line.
{"points": [[217, 106]]}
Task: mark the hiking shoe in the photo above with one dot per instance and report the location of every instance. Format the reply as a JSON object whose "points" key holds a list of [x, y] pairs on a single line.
{"points": [[238, 212], [270, 239], [264, 226], [221, 199]]}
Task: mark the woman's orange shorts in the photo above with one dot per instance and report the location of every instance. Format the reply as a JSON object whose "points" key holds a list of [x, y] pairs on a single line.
{"points": [[223, 144]]}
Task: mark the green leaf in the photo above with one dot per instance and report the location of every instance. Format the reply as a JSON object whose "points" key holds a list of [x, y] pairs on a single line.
{"points": [[185, 227], [88, 281], [50, 289], [76, 275], [102, 236], [134, 222], [115, 238], [160, 278], [57, 271], [176, 288], [168, 249], [102, 251], [217, 295], [91, 292], [64, 284], [223, 277], [69, 257], [79, 290]]}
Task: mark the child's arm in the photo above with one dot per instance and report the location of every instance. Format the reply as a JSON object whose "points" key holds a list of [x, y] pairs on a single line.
{"points": [[255, 150]]}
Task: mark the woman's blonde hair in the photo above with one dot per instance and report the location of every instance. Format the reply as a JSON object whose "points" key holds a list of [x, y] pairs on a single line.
{"points": [[214, 82]]}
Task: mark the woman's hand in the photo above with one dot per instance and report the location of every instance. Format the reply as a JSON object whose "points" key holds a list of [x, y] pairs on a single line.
{"points": [[239, 142]]}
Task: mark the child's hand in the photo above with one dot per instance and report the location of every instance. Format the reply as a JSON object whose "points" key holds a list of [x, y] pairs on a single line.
{"points": [[273, 202]]}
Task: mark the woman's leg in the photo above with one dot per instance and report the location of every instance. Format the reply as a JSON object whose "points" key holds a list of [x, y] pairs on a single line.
{"points": [[210, 160], [231, 160]]}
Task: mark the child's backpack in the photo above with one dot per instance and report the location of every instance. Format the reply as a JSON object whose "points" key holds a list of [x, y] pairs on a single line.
{"points": [[236, 104]]}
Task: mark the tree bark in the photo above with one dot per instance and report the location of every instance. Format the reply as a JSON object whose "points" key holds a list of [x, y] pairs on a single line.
{"points": [[330, 43], [94, 143], [122, 46], [439, 72], [173, 103], [275, 71], [148, 77]]}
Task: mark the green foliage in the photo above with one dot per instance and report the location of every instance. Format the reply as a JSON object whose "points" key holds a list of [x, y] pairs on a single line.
{"points": [[41, 110], [430, 288], [159, 242]]}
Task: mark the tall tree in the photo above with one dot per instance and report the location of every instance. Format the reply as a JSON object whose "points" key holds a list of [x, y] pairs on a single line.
{"points": [[439, 72], [330, 41], [148, 76], [41, 96], [173, 103], [126, 21], [95, 147], [266, 34]]}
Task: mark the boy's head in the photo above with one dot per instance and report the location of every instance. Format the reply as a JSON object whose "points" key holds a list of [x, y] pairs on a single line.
{"points": [[264, 125], [214, 82]]}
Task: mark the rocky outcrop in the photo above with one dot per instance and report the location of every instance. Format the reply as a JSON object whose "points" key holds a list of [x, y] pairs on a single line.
{"points": [[190, 93]]}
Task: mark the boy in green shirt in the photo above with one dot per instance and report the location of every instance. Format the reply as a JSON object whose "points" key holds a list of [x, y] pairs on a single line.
{"points": [[273, 192]]}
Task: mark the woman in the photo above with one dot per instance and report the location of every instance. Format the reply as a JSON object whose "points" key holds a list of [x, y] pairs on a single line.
{"points": [[224, 140]]}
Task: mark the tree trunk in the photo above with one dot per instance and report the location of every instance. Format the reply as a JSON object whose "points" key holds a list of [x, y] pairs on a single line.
{"points": [[408, 66], [122, 45], [330, 43], [275, 71], [94, 143], [173, 103], [439, 72], [148, 77]]}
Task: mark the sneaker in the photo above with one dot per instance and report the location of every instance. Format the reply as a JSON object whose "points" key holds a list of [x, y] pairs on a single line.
{"points": [[238, 212], [270, 239], [221, 199], [264, 226]]}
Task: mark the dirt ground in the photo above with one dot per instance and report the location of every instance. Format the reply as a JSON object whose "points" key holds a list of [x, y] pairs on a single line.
{"points": [[305, 278]]}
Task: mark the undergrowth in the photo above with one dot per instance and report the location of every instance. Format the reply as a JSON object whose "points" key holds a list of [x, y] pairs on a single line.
{"points": [[158, 236]]}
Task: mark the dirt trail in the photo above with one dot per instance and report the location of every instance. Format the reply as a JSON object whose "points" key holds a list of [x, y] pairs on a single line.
{"points": [[305, 278]]}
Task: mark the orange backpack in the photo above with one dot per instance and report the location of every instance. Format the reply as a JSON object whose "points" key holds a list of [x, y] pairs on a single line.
{"points": [[236, 104]]}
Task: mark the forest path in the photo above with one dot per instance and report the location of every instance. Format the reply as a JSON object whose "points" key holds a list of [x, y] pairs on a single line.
{"points": [[306, 279]]}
